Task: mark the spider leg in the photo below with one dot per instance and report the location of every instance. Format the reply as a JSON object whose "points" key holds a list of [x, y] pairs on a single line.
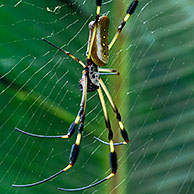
{"points": [[75, 147], [106, 71], [41, 136], [72, 159], [106, 143], [98, 3], [113, 157], [130, 11], [66, 52], [72, 127], [44, 180], [122, 128], [81, 114]]}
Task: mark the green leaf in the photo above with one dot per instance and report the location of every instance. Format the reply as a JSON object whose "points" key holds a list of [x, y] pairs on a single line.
{"points": [[39, 93]]}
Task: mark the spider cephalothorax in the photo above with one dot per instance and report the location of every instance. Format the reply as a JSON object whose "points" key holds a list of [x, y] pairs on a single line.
{"points": [[97, 57], [93, 78]]}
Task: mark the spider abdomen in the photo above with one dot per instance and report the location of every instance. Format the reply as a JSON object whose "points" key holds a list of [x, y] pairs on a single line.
{"points": [[100, 50]]}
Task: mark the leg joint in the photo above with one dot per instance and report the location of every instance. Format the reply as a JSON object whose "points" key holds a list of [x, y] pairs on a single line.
{"points": [[72, 129]]}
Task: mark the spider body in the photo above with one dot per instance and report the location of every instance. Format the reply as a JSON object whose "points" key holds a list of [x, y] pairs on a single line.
{"points": [[100, 50], [97, 57], [93, 78]]}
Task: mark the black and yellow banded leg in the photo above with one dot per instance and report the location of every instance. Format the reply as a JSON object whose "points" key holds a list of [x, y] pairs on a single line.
{"points": [[118, 116], [113, 157], [72, 159], [98, 4], [81, 117], [75, 147], [66, 52], [73, 126], [81, 112], [71, 129], [130, 11]]}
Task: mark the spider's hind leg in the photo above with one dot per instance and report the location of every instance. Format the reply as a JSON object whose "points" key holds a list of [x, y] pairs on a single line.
{"points": [[112, 156], [118, 116]]}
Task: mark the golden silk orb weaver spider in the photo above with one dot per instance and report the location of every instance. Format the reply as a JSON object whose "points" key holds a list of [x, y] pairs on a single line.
{"points": [[97, 57]]}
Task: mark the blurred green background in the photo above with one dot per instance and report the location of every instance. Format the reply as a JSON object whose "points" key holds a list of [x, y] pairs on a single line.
{"points": [[155, 94]]}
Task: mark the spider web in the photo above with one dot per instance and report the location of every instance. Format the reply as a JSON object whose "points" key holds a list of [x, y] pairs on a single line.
{"points": [[39, 93]]}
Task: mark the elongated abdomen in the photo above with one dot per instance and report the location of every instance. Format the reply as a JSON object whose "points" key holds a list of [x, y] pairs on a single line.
{"points": [[99, 52]]}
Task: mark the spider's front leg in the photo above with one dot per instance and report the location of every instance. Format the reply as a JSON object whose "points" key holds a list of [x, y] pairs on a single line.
{"points": [[75, 147], [113, 157]]}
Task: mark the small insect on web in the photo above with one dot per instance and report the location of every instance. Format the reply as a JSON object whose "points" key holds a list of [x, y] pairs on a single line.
{"points": [[97, 57]]}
